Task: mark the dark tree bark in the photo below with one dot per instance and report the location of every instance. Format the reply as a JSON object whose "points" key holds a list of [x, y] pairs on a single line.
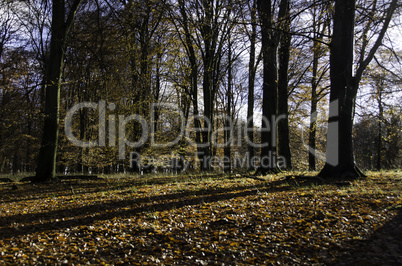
{"points": [[314, 86], [270, 90], [251, 81], [313, 126], [60, 28], [314, 101], [339, 156], [209, 57], [380, 121], [228, 119], [269, 45], [321, 22], [283, 110], [344, 85], [28, 163]]}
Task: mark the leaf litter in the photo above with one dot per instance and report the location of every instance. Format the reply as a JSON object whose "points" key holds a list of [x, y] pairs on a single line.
{"points": [[217, 220]]}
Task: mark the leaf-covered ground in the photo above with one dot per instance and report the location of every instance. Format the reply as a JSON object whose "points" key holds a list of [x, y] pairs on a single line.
{"points": [[203, 220]]}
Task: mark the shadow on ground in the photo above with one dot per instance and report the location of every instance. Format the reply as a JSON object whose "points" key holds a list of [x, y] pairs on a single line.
{"points": [[384, 247], [88, 214]]}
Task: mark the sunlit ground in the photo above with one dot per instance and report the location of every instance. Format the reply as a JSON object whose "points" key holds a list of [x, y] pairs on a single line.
{"points": [[202, 220]]}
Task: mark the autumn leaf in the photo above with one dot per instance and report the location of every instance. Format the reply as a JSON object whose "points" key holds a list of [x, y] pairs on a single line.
{"points": [[161, 224]]}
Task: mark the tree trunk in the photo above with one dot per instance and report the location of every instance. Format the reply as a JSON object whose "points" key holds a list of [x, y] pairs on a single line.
{"points": [[194, 79], [313, 128], [269, 45], [251, 81], [209, 58], [314, 101], [227, 167], [46, 169], [28, 162], [380, 120], [283, 110], [321, 22], [340, 161], [208, 111], [339, 155], [270, 90]]}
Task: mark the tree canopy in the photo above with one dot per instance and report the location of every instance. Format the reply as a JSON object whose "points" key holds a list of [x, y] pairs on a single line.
{"points": [[102, 86]]}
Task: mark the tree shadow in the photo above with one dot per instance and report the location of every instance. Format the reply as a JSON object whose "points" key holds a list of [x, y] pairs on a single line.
{"points": [[81, 184], [86, 215], [383, 247]]}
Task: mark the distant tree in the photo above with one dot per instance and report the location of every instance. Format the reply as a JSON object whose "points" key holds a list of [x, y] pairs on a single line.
{"points": [[393, 140], [204, 27], [19, 93], [366, 140], [227, 167], [93, 71], [19, 98], [321, 17], [378, 105], [254, 62], [8, 26], [184, 26]]}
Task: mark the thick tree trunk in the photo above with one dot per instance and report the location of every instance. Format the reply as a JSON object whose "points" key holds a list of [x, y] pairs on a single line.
{"points": [[340, 162], [269, 47], [208, 119], [46, 169], [339, 155], [211, 60], [283, 110]]}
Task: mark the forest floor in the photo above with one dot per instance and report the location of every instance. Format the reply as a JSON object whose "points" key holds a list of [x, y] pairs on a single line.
{"points": [[203, 220]]}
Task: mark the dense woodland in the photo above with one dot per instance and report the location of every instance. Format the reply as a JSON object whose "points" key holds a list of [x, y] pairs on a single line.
{"points": [[198, 77]]}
